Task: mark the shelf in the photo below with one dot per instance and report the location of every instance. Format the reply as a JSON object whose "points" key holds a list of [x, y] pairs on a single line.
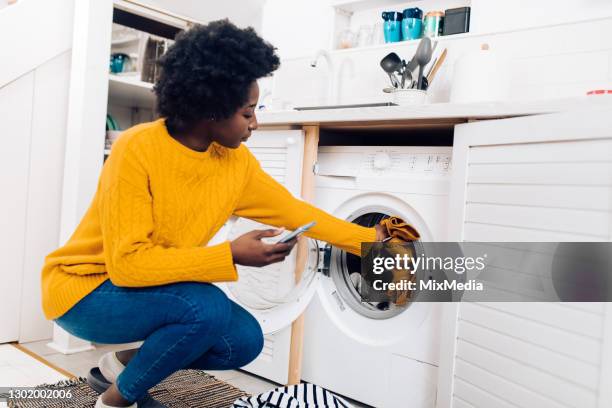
{"points": [[125, 40], [130, 91], [400, 44], [359, 5]]}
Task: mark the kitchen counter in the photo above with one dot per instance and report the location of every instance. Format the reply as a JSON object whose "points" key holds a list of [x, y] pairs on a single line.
{"points": [[444, 113]]}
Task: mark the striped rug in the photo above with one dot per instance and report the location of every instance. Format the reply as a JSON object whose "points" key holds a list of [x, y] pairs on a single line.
{"points": [[183, 389]]}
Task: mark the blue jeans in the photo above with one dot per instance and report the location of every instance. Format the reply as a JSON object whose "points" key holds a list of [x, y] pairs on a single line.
{"points": [[183, 325]]}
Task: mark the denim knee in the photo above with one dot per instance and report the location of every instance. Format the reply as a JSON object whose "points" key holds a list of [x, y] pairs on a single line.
{"points": [[208, 306], [252, 343]]}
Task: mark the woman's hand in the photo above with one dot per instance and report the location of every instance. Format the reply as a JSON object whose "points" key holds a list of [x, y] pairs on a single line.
{"points": [[249, 250], [381, 232]]}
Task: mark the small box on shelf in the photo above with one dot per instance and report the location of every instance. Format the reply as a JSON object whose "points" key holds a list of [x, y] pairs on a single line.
{"points": [[456, 21]]}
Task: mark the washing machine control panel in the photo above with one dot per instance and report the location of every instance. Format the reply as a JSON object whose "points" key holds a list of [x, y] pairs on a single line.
{"points": [[395, 162]]}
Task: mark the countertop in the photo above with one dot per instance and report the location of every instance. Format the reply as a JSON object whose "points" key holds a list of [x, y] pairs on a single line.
{"points": [[447, 112]]}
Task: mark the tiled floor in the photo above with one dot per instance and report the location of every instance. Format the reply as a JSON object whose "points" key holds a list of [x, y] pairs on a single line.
{"points": [[80, 363], [17, 369]]}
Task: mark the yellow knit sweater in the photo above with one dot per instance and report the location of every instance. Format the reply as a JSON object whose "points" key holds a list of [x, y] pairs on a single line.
{"points": [[158, 203]]}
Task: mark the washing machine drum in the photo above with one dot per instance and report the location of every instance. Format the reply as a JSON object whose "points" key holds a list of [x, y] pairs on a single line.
{"points": [[353, 287]]}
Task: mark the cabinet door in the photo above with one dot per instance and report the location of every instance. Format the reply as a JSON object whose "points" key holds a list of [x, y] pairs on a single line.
{"points": [[535, 179], [16, 115], [280, 154]]}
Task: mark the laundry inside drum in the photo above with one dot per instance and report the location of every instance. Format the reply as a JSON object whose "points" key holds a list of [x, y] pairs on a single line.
{"points": [[345, 270]]}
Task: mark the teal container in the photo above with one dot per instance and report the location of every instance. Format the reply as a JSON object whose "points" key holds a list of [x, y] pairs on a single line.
{"points": [[392, 26], [412, 24]]}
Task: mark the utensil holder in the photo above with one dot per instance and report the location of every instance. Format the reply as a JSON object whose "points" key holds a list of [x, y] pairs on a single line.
{"points": [[409, 97]]}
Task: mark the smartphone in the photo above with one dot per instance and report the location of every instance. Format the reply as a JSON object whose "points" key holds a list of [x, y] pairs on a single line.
{"points": [[297, 232]]}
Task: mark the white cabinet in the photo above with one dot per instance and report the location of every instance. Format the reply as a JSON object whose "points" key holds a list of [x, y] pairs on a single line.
{"points": [[261, 290], [543, 178], [33, 107], [16, 114]]}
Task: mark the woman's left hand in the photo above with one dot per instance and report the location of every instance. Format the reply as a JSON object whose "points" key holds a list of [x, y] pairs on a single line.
{"points": [[381, 232]]}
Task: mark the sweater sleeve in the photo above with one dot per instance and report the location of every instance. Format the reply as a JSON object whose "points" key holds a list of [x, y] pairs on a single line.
{"points": [[267, 201], [132, 257]]}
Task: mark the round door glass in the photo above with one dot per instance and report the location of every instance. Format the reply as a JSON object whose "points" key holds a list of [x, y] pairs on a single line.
{"points": [[345, 270]]}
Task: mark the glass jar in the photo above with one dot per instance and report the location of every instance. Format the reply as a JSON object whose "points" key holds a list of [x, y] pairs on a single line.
{"points": [[432, 25]]}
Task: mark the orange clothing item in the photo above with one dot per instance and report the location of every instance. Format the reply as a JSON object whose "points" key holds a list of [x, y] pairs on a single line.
{"points": [[158, 203]]}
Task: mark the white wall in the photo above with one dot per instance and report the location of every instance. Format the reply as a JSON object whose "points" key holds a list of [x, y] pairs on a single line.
{"points": [[558, 58], [299, 27], [506, 15]]}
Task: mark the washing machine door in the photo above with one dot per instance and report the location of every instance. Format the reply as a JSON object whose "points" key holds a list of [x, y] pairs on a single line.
{"points": [[274, 294], [374, 323]]}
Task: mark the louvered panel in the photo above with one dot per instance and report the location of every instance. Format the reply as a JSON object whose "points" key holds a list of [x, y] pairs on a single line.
{"points": [[576, 346], [507, 390], [473, 394], [555, 315], [570, 197], [267, 352], [538, 179], [542, 173], [528, 376], [459, 403], [485, 232], [278, 155], [594, 223], [274, 171], [583, 151], [269, 164], [554, 363], [593, 307]]}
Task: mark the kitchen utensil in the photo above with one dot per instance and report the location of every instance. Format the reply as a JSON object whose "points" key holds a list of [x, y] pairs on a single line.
{"points": [[392, 25], [390, 64], [411, 66], [436, 66], [406, 75], [456, 21], [423, 56], [412, 24], [432, 25]]}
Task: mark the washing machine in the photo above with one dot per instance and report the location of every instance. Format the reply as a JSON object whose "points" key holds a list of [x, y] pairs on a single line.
{"points": [[377, 353]]}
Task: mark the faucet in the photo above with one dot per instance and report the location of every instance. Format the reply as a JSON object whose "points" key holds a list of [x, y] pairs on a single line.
{"points": [[262, 99], [331, 91]]}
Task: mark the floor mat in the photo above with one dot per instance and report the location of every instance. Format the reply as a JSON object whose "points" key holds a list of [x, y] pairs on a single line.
{"points": [[183, 389]]}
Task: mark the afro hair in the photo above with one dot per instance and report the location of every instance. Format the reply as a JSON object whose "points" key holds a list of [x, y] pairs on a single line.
{"points": [[207, 72]]}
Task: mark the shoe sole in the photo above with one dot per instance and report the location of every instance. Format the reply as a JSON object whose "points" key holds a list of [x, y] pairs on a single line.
{"points": [[96, 380]]}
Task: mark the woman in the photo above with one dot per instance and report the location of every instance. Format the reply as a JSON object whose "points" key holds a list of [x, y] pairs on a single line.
{"points": [[136, 268]]}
